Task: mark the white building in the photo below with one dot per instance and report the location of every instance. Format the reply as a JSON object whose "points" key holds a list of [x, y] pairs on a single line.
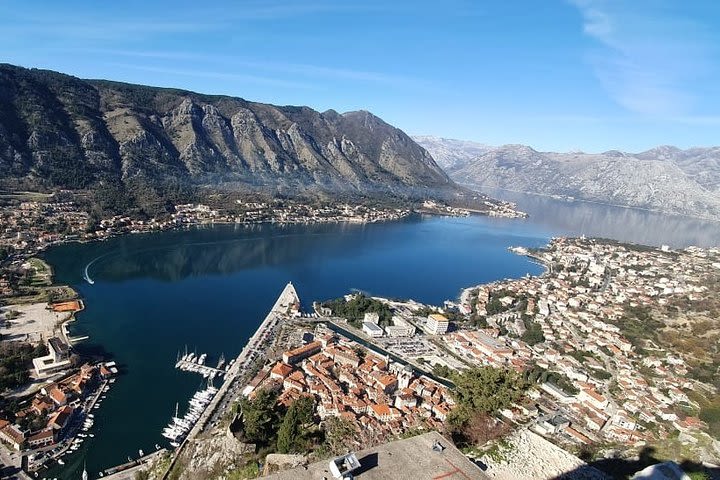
{"points": [[58, 358], [400, 328], [372, 329], [437, 324], [372, 317]]}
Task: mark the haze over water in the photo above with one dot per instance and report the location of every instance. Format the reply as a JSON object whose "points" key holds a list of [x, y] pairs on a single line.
{"points": [[209, 288]]}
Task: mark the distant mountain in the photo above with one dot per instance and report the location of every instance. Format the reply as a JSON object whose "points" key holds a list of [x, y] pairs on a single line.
{"points": [[448, 152], [149, 145], [665, 178]]}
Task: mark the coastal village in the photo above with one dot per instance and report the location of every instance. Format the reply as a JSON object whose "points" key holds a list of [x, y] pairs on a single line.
{"points": [[347, 380], [573, 332], [587, 336], [31, 224]]}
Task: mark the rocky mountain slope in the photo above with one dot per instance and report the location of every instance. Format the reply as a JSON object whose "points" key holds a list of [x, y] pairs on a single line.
{"points": [[61, 131], [449, 152], [665, 178]]}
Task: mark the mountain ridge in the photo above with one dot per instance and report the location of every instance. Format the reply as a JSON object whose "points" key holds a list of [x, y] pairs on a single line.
{"points": [[153, 144], [664, 178]]}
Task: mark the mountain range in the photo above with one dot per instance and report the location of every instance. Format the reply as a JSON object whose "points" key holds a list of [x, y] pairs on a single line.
{"points": [[666, 178], [149, 145]]}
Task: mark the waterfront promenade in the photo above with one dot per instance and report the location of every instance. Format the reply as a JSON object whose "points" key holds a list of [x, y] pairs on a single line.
{"points": [[240, 368]]}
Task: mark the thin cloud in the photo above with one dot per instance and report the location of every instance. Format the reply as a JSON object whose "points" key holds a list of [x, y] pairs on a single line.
{"points": [[255, 79], [305, 70], [648, 60]]}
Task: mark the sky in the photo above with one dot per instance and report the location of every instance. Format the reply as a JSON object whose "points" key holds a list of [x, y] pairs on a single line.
{"points": [[588, 75]]}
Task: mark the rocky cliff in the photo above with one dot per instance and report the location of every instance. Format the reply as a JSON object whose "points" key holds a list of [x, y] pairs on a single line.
{"points": [[665, 178], [58, 131]]}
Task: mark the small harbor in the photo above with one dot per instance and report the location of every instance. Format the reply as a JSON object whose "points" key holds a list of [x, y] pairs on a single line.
{"points": [[190, 362]]}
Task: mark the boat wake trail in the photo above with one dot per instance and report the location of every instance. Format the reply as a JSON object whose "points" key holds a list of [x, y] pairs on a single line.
{"points": [[86, 272]]}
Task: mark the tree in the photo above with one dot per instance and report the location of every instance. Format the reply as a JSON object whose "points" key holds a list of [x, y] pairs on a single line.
{"points": [[484, 390], [441, 370], [293, 430], [259, 417], [533, 333]]}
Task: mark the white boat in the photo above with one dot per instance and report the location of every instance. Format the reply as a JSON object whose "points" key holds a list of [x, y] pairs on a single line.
{"points": [[61, 461], [201, 360]]}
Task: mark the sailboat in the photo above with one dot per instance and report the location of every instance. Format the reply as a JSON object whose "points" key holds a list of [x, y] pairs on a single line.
{"points": [[84, 472]]}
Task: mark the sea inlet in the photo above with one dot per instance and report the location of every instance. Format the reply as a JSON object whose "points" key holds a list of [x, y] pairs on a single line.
{"points": [[208, 288]]}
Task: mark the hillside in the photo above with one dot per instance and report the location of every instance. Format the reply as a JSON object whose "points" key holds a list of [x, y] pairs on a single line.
{"points": [[666, 179], [449, 152], [148, 146]]}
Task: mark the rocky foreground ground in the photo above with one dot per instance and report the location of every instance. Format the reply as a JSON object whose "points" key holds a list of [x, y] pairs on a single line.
{"points": [[527, 456]]}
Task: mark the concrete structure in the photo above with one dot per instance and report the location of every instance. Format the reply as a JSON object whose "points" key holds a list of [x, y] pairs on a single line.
{"points": [[425, 456], [372, 317], [400, 328], [437, 324], [57, 359], [372, 329]]}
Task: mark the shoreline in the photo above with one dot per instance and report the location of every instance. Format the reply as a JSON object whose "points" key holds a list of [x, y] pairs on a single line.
{"points": [[565, 199]]}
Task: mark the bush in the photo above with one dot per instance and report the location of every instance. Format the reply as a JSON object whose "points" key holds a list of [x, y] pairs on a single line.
{"points": [[355, 309], [484, 390]]}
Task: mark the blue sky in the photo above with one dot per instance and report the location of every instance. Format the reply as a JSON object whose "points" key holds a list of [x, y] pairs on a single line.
{"points": [[585, 75]]}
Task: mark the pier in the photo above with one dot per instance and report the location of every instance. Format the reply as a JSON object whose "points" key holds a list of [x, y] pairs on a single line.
{"points": [[255, 347], [204, 370], [127, 471]]}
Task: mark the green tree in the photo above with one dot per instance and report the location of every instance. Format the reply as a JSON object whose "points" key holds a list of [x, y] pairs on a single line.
{"points": [[533, 333], [259, 417], [441, 370], [484, 390], [292, 435]]}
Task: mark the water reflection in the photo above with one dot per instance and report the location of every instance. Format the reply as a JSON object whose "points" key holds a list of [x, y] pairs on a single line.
{"points": [[171, 256], [624, 224]]}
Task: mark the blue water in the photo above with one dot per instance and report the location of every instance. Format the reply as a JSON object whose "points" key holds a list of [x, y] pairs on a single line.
{"points": [[209, 288]]}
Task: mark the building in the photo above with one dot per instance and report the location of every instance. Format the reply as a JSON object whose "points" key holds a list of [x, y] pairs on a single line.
{"points": [[372, 329], [58, 358], [61, 420], [280, 371], [300, 353], [13, 436], [41, 439], [437, 324], [372, 317], [400, 328], [429, 455]]}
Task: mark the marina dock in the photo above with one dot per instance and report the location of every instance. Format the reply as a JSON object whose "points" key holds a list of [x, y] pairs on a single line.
{"points": [[205, 370], [253, 348]]}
